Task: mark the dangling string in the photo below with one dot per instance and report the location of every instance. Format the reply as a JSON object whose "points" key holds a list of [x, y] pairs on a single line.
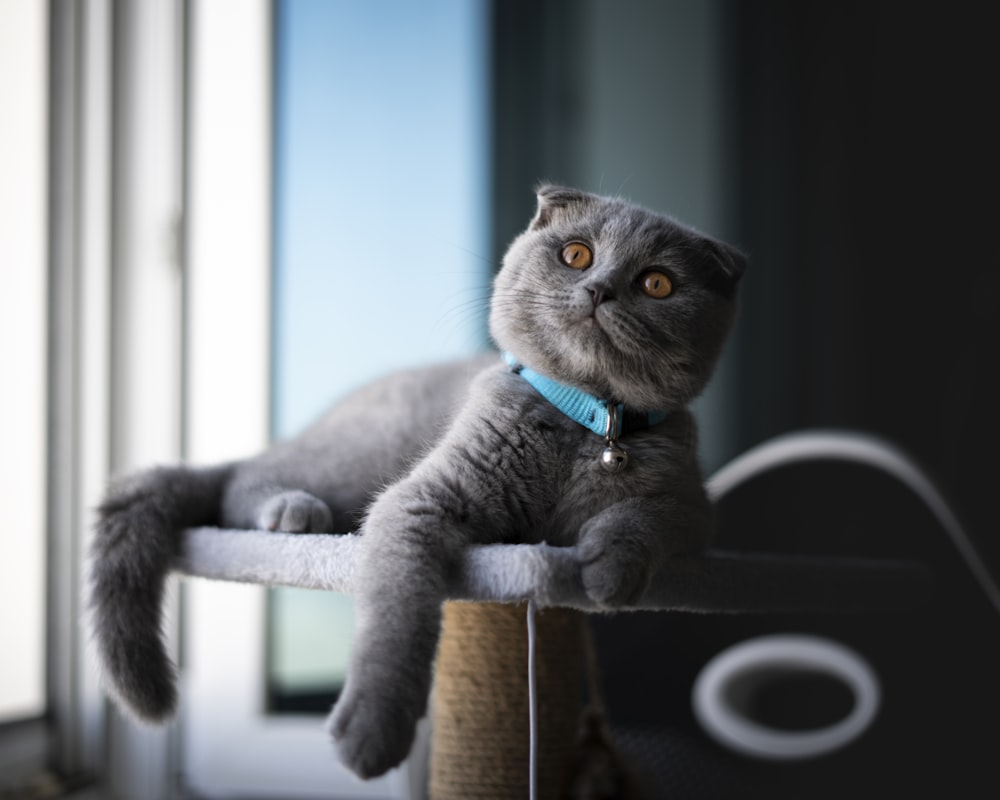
{"points": [[532, 707]]}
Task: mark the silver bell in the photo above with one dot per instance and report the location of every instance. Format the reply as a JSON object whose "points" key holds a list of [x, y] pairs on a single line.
{"points": [[613, 458]]}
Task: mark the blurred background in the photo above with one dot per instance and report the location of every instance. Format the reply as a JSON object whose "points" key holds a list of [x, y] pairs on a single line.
{"points": [[218, 216]]}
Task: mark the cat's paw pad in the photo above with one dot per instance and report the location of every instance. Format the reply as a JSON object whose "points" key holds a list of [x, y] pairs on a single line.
{"points": [[295, 512], [613, 576], [371, 733]]}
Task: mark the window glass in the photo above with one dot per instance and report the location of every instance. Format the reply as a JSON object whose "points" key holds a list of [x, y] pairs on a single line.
{"points": [[23, 38], [380, 238]]}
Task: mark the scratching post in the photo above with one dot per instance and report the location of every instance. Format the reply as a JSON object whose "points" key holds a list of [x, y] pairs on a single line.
{"points": [[479, 740]]}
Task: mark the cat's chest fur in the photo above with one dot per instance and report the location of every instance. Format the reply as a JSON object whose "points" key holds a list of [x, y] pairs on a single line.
{"points": [[534, 474]]}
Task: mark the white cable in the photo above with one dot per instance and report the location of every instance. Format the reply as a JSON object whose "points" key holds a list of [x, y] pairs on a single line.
{"points": [[860, 448], [532, 707]]}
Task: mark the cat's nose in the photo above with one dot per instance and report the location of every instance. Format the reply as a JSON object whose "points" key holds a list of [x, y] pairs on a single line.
{"points": [[599, 292]]}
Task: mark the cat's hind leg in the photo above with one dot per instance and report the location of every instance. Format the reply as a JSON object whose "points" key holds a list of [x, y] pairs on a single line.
{"points": [[295, 511], [263, 505]]}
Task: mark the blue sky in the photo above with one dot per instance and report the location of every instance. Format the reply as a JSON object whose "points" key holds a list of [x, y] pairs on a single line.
{"points": [[380, 192]]}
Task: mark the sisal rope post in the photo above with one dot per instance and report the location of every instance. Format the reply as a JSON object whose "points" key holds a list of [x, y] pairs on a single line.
{"points": [[480, 734]]}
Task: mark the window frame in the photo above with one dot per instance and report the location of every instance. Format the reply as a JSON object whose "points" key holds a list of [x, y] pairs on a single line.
{"points": [[66, 743], [229, 743], [114, 342]]}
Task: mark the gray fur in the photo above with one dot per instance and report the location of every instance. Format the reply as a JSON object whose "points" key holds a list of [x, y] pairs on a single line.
{"points": [[429, 461]]}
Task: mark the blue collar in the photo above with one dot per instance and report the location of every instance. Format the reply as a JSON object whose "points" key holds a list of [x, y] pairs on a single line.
{"points": [[587, 410]]}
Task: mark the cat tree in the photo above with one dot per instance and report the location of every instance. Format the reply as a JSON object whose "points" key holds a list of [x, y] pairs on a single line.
{"points": [[480, 700]]}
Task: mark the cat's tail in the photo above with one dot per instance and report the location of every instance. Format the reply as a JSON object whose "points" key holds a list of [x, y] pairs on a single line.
{"points": [[136, 538]]}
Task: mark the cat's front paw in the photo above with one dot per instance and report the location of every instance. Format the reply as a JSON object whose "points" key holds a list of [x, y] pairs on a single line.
{"points": [[614, 572], [295, 512], [372, 734]]}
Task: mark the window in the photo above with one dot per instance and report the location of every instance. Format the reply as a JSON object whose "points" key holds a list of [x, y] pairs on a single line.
{"points": [[23, 344], [379, 215], [381, 259]]}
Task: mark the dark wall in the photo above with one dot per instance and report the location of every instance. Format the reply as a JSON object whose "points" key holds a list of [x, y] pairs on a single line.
{"points": [[862, 181], [868, 174], [860, 173], [536, 106], [866, 171]]}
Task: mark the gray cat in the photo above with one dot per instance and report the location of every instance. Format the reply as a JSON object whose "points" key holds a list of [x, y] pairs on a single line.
{"points": [[610, 318]]}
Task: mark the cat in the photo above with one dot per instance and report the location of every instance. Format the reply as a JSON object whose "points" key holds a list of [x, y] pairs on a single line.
{"points": [[610, 317]]}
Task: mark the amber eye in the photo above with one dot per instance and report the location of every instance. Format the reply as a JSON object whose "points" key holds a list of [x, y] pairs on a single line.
{"points": [[656, 284], [577, 255]]}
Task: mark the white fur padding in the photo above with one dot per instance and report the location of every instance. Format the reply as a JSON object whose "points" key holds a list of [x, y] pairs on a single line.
{"points": [[715, 581], [502, 573]]}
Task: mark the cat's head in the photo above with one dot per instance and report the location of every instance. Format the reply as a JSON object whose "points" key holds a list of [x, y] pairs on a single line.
{"points": [[619, 301]]}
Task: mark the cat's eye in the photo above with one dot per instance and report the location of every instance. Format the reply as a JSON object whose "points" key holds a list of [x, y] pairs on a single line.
{"points": [[656, 284], [576, 255]]}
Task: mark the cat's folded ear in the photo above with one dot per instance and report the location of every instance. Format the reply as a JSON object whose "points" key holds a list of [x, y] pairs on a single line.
{"points": [[552, 199], [727, 265]]}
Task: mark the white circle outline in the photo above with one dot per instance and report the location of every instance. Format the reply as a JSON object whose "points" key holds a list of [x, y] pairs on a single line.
{"points": [[784, 652]]}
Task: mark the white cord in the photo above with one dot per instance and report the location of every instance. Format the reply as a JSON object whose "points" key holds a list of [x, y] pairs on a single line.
{"points": [[532, 707], [864, 449]]}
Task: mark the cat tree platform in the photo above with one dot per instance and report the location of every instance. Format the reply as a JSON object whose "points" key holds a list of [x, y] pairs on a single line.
{"points": [[715, 582]]}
